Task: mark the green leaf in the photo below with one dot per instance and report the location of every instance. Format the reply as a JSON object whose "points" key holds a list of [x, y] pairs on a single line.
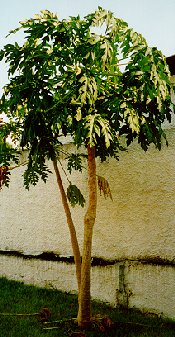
{"points": [[75, 196], [69, 78], [74, 162]]}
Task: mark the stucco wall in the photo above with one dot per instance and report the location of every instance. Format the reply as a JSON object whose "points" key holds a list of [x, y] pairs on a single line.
{"points": [[138, 226], [131, 284], [139, 223]]}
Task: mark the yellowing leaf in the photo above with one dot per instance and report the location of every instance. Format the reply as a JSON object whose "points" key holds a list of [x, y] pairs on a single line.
{"points": [[104, 187], [78, 114]]}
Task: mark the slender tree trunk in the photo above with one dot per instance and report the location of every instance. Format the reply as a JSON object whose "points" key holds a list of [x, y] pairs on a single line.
{"points": [[84, 312], [74, 241]]}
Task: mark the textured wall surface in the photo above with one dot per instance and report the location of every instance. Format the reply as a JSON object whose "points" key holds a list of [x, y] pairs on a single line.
{"points": [[152, 288], [146, 287], [60, 276], [140, 222]]}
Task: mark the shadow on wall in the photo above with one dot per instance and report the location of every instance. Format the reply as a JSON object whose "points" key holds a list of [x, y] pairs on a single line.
{"points": [[144, 285], [171, 63]]}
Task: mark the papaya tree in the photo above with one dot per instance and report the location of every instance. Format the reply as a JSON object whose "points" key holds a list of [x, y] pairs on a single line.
{"points": [[93, 79]]}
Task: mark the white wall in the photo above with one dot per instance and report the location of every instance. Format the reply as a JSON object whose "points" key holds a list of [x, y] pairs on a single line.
{"points": [[138, 225], [149, 288]]}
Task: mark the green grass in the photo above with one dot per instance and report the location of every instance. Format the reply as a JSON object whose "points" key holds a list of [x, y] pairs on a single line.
{"points": [[17, 298]]}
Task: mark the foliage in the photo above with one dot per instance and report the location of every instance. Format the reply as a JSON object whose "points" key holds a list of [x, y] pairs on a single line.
{"points": [[68, 78], [104, 187], [75, 162], [8, 154], [75, 196], [93, 79], [4, 176]]}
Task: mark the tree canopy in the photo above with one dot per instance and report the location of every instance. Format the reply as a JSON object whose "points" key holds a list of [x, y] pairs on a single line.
{"points": [[93, 78]]}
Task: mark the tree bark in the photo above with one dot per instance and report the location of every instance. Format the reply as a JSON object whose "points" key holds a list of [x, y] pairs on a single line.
{"points": [[74, 241], [84, 311]]}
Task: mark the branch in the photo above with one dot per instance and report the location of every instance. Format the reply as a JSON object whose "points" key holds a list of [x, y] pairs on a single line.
{"points": [[64, 171], [43, 314], [22, 164]]}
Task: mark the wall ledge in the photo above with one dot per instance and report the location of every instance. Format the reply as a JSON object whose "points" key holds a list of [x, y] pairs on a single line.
{"points": [[96, 261]]}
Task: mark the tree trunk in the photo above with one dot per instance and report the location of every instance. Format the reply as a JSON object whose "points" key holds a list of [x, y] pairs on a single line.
{"points": [[74, 241], [84, 311]]}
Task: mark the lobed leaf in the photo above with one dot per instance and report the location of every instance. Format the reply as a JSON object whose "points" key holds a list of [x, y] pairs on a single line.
{"points": [[75, 196]]}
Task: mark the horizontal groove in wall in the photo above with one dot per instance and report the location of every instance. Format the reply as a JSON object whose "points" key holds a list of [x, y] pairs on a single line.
{"points": [[51, 256]]}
